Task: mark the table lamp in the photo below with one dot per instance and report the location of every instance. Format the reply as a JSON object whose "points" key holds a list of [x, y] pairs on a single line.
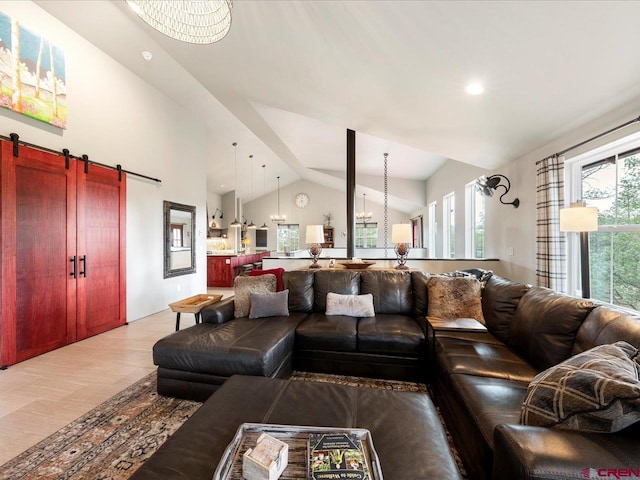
{"points": [[402, 236], [582, 219], [315, 236]]}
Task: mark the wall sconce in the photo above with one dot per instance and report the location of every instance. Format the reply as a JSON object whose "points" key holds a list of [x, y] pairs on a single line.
{"points": [[315, 236], [402, 236], [218, 210], [488, 185], [582, 219]]}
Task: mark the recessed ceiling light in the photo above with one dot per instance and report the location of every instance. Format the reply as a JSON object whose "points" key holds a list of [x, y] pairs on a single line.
{"points": [[147, 56], [222, 185], [474, 89]]}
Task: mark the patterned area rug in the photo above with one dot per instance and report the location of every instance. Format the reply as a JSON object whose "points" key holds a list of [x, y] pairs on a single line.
{"points": [[360, 382], [111, 441], [108, 443]]}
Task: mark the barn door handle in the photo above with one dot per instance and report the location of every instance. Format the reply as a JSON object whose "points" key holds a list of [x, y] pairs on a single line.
{"points": [[72, 260], [83, 266]]}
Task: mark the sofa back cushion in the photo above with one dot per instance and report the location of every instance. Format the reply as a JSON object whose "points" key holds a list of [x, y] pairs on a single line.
{"points": [[545, 325], [391, 290], [419, 282], [345, 282], [500, 299], [608, 324], [300, 286]]}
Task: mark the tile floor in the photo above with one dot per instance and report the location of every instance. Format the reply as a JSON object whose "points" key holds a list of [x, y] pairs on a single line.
{"points": [[43, 394]]}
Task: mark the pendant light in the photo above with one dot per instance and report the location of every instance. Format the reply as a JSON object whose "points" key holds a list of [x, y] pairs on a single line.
{"points": [[251, 224], [277, 218], [264, 190], [364, 216], [235, 222], [191, 21]]}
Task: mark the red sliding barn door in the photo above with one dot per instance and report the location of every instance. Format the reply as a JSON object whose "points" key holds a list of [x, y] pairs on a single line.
{"points": [[38, 244], [62, 251], [101, 250]]}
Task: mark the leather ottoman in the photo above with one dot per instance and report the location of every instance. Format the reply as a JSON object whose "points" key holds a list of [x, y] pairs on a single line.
{"points": [[405, 427]]}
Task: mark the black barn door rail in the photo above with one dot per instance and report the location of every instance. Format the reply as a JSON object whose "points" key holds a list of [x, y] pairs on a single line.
{"points": [[15, 139]]}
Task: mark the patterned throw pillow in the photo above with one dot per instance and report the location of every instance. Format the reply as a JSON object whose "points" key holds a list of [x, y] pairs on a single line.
{"points": [[594, 391], [269, 304], [454, 297], [350, 305], [243, 286]]}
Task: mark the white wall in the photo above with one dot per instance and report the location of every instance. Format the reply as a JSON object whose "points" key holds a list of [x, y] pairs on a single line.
{"points": [[115, 117], [321, 201], [510, 228], [453, 176], [517, 227]]}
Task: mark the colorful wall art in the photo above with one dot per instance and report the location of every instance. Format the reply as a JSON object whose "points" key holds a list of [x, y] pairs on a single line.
{"points": [[32, 74]]}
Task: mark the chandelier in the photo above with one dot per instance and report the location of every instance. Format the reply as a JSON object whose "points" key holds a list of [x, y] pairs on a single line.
{"points": [[364, 216], [191, 21], [277, 218]]}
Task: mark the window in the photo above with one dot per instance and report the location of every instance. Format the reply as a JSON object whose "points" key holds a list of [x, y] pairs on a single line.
{"points": [[610, 180], [433, 229], [449, 221], [176, 235], [288, 237], [366, 235], [474, 222]]}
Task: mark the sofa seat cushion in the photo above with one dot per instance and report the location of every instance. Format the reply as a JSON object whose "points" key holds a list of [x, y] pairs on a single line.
{"points": [[333, 333], [489, 401], [390, 334], [242, 346], [455, 355]]}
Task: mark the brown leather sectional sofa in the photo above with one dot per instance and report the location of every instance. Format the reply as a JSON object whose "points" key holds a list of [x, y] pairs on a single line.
{"points": [[481, 380], [195, 362]]}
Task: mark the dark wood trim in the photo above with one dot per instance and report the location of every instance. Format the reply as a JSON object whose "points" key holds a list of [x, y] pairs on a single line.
{"points": [[351, 193]]}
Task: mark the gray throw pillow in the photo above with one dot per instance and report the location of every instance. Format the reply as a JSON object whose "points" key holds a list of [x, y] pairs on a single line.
{"points": [[244, 286], [350, 305], [269, 304], [594, 391]]}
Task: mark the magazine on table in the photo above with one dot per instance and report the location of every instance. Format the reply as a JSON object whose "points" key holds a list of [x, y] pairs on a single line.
{"points": [[337, 456]]}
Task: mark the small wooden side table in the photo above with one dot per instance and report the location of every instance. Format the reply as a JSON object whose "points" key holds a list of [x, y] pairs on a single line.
{"points": [[193, 305]]}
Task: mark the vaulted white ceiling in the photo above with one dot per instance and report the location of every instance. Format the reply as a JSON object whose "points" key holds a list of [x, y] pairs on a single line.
{"points": [[293, 75]]}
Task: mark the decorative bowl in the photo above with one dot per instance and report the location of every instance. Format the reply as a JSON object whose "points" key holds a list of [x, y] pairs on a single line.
{"points": [[357, 265]]}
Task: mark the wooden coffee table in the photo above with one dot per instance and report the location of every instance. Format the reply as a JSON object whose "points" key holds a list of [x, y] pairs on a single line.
{"points": [[193, 305]]}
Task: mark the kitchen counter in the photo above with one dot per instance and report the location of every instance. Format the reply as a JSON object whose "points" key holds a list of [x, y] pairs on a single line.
{"points": [[231, 253], [222, 266]]}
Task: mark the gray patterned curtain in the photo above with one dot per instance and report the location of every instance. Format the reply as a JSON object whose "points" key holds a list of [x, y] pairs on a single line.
{"points": [[551, 252]]}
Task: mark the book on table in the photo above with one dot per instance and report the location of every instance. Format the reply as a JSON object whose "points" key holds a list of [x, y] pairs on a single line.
{"points": [[337, 456]]}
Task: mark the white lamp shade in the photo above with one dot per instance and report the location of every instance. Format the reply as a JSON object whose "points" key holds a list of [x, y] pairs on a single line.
{"points": [[401, 233], [315, 234], [579, 219]]}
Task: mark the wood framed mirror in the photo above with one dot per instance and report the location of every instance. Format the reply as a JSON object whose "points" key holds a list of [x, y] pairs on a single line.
{"points": [[179, 239]]}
